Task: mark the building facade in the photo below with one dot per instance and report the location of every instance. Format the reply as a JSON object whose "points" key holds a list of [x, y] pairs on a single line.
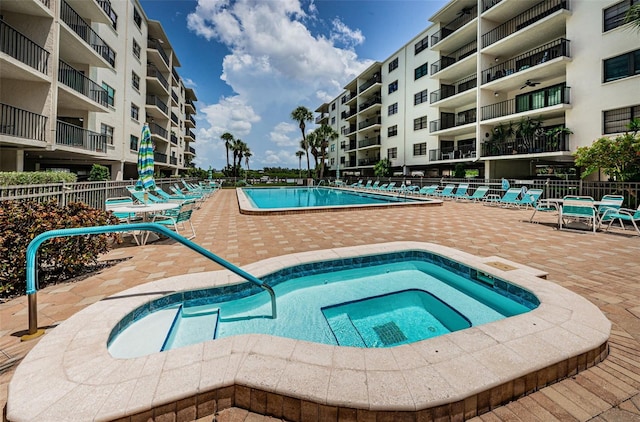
{"points": [[79, 78], [504, 88]]}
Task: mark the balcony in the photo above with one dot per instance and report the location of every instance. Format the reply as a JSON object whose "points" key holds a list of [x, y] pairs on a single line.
{"points": [[523, 20], [40, 8], [368, 161], [83, 30], [77, 137], [454, 57], [468, 14], [449, 90], [106, 6], [173, 161], [369, 122], [157, 130], [93, 10], [154, 75], [351, 146], [369, 83], [21, 123], [376, 99], [21, 48], [450, 120], [174, 119], [349, 130], [369, 142], [79, 83], [322, 118], [189, 106], [189, 134], [190, 150], [175, 75], [174, 99], [460, 153], [174, 139], [154, 45], [154, 100], [189, 121], [543, 143], [349, 97], [536, 100], [532, 58], [346, 115], [159, 157]]}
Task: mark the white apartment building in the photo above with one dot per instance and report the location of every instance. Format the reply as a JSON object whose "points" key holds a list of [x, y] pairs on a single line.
{"points": [[79, 78], [510, 88]]}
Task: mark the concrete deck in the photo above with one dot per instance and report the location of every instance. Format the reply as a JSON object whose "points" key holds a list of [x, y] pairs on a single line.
{"points": [[604, 268]]}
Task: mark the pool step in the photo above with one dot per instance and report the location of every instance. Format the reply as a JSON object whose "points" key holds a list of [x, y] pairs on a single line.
{"points": [[345, 332], [192, 325]]}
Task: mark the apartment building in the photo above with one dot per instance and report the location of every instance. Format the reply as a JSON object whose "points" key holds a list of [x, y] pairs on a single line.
{"points": [[79, 78], [507, 88]]}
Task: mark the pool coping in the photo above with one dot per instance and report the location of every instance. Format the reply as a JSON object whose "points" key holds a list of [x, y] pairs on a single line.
{"points": [[246, 207], [69, 374]]}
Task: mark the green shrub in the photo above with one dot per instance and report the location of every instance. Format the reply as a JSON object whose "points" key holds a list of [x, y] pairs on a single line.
{"points": [[58, 258], [35, 178], [99, 173]]}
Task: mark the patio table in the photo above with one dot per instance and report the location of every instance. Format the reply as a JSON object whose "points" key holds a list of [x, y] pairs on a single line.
{"points": [[146, 210], [557, 202]]}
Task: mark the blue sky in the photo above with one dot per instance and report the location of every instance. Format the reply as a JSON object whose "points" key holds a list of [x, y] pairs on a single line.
{"points": [[252, 62]]}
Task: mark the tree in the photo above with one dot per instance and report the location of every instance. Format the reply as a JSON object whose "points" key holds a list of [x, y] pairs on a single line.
{"points": [[99, 173], [633, 16], [228, 142], [239, 148], [299, 154], [324, 134], [618, 158], [382, 168], [314, 148], [304, 146], [247, 155], [301, 115]]}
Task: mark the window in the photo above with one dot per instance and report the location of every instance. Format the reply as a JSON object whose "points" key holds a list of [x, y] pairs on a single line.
{"points": [[392, 131], [393, 86], [137, 18], [546, 97], [108, 132], [111, 94], [420, 149], [421, 71], [422, 44], [613, 16], [343, 99], [135, 80], [333, 120], [133, 143], [342, 161], [420, 97], [333, 147], [392, 153], [622, 66], [136, 49], [333, 106], [420, 123], [393, 109], [616, 121], [393, 65], [333, 162], [135, 110]]}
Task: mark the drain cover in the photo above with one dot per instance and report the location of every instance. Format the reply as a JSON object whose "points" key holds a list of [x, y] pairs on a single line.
{"points": [[389, 333]]}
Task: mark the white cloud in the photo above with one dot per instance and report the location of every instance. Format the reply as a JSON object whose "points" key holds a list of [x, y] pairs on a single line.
{"points": [[342, 33], [285, 135], [189, 83]]}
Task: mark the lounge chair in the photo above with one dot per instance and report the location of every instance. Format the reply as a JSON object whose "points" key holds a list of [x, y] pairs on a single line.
{"points": [[624, 214], [180, 216], [388, 188], [446, 191], [459, 192], [510, 198], [530, 198], [358, 184], [178, 197], [375, 185], [380, 187], [578, 208], [544, 206], [478, 195], [367, 186], [609, 204]]}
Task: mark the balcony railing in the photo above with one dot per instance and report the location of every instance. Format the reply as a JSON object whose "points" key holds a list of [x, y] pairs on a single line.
{"points": [[88, 35], [535, 57], [190, 133], [156, 101], [449, 120], [106, 6], [545, 98], [191, 119], [369, 83], [457, 87], [158, 130], [174, 72], [75, 80], [174, 139], [467, 15], [452, 153], [174, 118], [524, 19], [488, 4], [350, 96], [534, 145], [46, 3], [368, 161], [74, 136], [348, 114], [22, 123], [369, 122], [22, 48], [192, 150], [159, 157], [454, 57], [189, 102], [154, 72], [368, 142], [371, 101], [349, 130], [174, 97], [321, 117], [173, 161], [155, 45]]}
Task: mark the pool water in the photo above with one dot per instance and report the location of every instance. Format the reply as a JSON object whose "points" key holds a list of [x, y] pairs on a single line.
{"points": [[383, 304], [305, 197]]}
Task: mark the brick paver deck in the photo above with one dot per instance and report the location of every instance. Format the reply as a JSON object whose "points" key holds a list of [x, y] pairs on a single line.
{"points": [[604, 268]]}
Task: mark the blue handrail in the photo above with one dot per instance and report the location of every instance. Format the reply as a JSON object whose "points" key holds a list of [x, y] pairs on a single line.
{"points": [[32, 250]]}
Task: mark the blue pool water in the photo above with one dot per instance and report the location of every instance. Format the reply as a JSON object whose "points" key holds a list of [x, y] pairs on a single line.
{"points": [[373, 301], [304, 197]]}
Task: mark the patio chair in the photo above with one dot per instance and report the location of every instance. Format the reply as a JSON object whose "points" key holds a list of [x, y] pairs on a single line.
{"points": [[145, 197], [478, 195], [380, 187], [510, 198], [544, 206], [427, 190], [459, 192], [624, 214], [446, 191], [375, 185], [358, 184], [368, 185], [389, 187], [578, 208], [609, 204], [180, 216], [178, 197], [530, 198], [123, 217]]}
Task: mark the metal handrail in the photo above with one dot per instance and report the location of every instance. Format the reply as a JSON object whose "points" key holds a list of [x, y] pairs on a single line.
{"points": [[32, 251]]}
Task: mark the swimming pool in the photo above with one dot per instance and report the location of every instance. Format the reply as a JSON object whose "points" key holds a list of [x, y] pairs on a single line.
{"points": [[316, 199], [371, 301]]}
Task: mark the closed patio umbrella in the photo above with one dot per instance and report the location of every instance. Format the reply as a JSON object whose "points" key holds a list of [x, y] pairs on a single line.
{"points": [[145, 161]]}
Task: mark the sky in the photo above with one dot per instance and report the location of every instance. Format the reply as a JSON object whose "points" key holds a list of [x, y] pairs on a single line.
{"points": [[252, 62]]}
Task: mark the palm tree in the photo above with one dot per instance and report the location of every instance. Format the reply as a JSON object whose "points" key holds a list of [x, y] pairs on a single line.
{"points": [[239, 148], [304, 146], [313, 141], [633, 16], [299, 154], [301, 115], [228, 141], [247, 155], [325, 135]]}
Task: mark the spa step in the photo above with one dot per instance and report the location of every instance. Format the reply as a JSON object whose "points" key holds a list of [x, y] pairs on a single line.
{"points": [[191, 326], [345, 332]]}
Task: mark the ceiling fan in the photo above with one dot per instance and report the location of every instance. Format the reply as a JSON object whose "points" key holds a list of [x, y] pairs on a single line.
{"points": [[464, 11], [529, 83]]}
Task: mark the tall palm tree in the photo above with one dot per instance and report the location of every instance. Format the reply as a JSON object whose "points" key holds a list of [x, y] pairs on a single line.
{"points": [[247, 155], [299, 154], [325, 135], [238, 150], [301, 115], [313, 141], [633, 16], [304, 146], [228, 141]]}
